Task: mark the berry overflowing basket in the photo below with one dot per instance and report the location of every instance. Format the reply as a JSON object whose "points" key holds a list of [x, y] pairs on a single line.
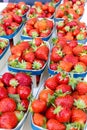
{"points": [[15, 95], [29, 56], [35, 27], [60, 104]]}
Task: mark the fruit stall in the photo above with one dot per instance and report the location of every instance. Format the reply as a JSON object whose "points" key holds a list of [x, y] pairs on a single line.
{"points": [[43, 65]]}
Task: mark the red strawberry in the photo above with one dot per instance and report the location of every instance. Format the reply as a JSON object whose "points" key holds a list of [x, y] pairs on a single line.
{"points": [[17, 19], [23, 79], [67, 48], [83, 58], [62, 78], [64, 88], [3, 93], [53, 66], [71, 58], [38, 41], [56, 54], [73, 43], [44, 94], [33, 33], [78, 116], [81, 102], [72, 23], [64, 101], [42, 52], [65, 66], [50, 113], [51, 83], [23, 105], [12, 90], [29, 56], [53, 124], [81, 88], [7, 105], [8, 120], [80, 67], [63, 114], [6, 77], [38, 64], [78, 50], [23, 91], [38, 119], [38, 105]]}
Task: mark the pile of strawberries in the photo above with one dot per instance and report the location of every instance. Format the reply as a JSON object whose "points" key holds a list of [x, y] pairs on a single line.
{"points": [[3, 45], [69, 57], [38, 27], [19, 8], [69, 11], [62, 104], [15, 91], [9, 23], [41, 10], [73, 30], [30, 55]]}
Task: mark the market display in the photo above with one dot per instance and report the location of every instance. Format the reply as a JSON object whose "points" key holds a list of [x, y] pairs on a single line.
{"points": [[45, 70]]}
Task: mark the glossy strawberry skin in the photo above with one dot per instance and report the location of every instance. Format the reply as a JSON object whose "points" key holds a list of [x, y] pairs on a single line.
{"points": [[8, 120]]}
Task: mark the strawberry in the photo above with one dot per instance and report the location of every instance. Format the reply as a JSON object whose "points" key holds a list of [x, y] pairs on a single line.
{"points": [[78, 50], [50, 113], [23, 91], [33, 33], [38, 41], [62, 78], [53, 66], [50, 24], [64, 101], [63, 114], [12, 90], [56, 54], [80, 36], [80, 67], [28, 56], [6, 77], [23, 105], [38, 64], [44, 94], [7, 105], [71, 58], [23, 79], [81, 88], [3, 93], [78, 116], [64, 88], [65, 66], [53, 124], [72, 23], [51, 83], [38, 106], [42, 52], [67, 48], [81, 102], [17, 19], [39, 119], [83, 58], [8, 120]]}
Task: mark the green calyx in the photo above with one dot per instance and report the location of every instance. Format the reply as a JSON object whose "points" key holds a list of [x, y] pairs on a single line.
{"points": [[80, 104], [36, 65], [75, 125], [20, 107], [57, 110], [3, 45], [60, 23], [79, 68], [35, 34], [13, 63], [59, 52], [67, 28], [80, 37], [73, 82], [13, 82], [21, 64], [16, 97], [19, 115]]}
